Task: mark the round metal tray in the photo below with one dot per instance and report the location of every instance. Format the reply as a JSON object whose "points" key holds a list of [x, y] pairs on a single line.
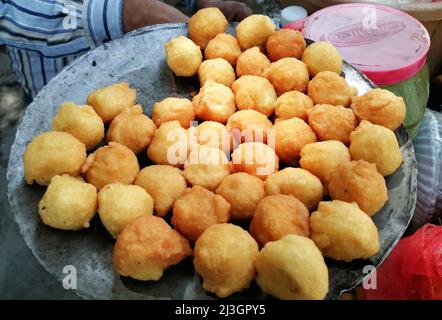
{"points": [[139, 58]]}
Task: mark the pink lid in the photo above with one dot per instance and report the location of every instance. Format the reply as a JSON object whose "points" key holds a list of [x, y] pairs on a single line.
{"points": [[386, 44]]}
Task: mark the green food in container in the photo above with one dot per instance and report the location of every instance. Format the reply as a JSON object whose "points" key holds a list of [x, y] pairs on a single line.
{"points": [[415, 91]]}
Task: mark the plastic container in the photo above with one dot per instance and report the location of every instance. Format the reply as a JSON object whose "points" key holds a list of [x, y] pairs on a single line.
{"points": [[428, 12], [387, 45]]}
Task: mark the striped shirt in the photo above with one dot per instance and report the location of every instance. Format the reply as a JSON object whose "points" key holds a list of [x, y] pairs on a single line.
{"points": [[43, 36]]}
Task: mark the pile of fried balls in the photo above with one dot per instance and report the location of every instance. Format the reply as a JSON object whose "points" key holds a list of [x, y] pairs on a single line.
{"points": [[267, 101]]}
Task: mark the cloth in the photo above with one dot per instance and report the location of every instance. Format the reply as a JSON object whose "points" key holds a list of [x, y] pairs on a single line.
{"points": [[43, 36]]}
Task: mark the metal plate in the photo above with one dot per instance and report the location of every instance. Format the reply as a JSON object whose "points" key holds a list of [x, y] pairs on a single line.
{"points": [[139, 58]]}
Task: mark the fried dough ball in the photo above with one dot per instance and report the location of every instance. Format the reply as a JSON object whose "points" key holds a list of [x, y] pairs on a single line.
{"points": [[253, 92], [243, 192], [183, 56], [252, 62], [292, 268], [328, 87], [214, 102], [80, 121], [248, 126], [164, 183], [119, 204], [170, 109], [146, 247], [378, 145], [291, 136], [332, 122], [323, 158], [205, 24], [109, 101], [360, 182], [206, 167], [196, 210], [110, 164], [255, 158], [223, 46], [287, 74], [215, 135], [380, 106], [285, 43], [170, 144], [132, 128], [277, 216], [322, 56], [225, 258], [292, 104], [68, 203], [297, 182], [254, 31], [52, 153], [342, 231], [217, 70]]}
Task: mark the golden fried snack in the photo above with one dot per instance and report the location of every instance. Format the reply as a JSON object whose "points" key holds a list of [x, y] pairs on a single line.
{"points": [[254, 31], [380, 106], [360, 182], [170, 144], [291, 136], [217, 70], [287, 74], [109, 101], [196, 210], [332, 122], [285, 43], [68, 203], [277, 216], [80, 121], [223, 46], [205, 24], [297, 182], [119, 204], [378, 145], [292, 104], [322, 56], [253, 92], [146, 247], [164, 183], [243, 192], [183, 56], [328, 87], [225, 258], [323, 158], [248, 126], [214, 102], [170, 109], [255, 158], [206, 167], [252, 62], [50, 154], [132, 128], [342, 231], [110, 164], [292, 269], [215, 135]]}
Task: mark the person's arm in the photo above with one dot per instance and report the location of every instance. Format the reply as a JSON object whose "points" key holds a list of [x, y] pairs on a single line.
{"points": [[140, 13], [233, 10]]}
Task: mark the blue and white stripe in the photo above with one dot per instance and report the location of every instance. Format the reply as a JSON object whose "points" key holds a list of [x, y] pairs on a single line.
{"points": [[43, 36]]}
